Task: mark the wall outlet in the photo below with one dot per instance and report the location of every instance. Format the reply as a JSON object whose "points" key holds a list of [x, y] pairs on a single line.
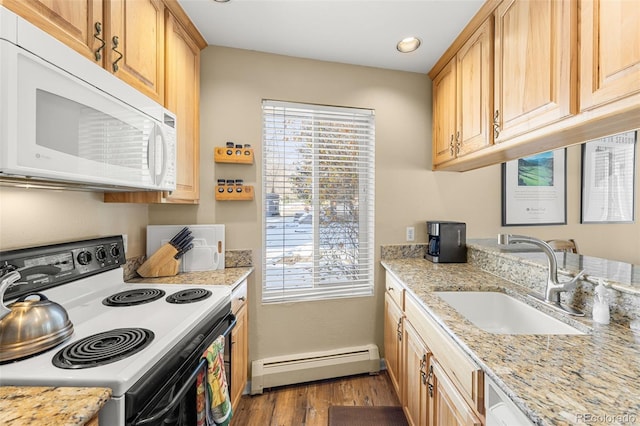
{"points": [[411, 233], [125, 240]]}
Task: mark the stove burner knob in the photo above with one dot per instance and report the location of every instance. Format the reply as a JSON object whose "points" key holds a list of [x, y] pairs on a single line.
{"points": [[101, 254], [115, 251], [84, 257]]}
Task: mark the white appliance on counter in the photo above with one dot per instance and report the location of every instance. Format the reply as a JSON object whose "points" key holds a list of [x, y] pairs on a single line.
{"points": [[64, 119], [208, 245]]}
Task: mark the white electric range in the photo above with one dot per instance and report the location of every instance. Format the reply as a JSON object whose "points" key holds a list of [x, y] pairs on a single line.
{"points": [[133, 338]]}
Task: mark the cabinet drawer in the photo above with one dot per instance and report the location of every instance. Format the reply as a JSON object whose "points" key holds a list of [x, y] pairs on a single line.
{"points": [[395, 290], [239, 297], [462, 371]]}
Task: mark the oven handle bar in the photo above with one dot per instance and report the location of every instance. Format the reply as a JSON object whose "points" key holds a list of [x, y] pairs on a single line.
{"points": [[185, 388]]}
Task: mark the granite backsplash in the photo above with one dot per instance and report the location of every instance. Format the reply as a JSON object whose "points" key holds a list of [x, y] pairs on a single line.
{"points": [[232, 259]]}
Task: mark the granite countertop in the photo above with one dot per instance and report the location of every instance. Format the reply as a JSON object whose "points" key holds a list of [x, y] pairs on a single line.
{"points": [[554, 379], [228, 276], [32, 406]]}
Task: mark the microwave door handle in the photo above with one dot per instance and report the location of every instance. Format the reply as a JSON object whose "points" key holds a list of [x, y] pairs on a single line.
{"points": [[151, 154], [161, 152]]}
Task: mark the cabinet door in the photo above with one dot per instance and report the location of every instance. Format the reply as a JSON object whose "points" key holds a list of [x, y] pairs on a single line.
{"points": [[392, 345], [239, 356], [444, 114], [450, 408], [535, 70], [609, 51], [416, 359], [183, 99], [135, 44], [71, 22], [474, 91]]}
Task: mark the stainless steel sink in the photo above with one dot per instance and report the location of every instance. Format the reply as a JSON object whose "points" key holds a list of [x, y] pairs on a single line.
{"points": [[500, 313]]}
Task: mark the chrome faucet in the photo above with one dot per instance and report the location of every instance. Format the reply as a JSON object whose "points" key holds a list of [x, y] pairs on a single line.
{"points": [[554, 287]]}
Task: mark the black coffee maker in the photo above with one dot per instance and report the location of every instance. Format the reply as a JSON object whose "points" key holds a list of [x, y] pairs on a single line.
{"points": [[447, 242]]}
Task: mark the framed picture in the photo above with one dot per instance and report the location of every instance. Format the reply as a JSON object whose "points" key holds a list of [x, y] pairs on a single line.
{"points": [[608, 176], [534, 190]]}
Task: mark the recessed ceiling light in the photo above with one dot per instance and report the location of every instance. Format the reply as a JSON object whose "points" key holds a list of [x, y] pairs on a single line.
{"points": [[408, 44], [221, 1]]}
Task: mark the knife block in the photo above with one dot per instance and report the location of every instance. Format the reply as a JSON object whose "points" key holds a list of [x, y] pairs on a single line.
{"points": [[161, 263]]}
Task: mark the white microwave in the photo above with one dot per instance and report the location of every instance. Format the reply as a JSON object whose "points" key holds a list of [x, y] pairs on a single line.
{"points": [[64, 119]]}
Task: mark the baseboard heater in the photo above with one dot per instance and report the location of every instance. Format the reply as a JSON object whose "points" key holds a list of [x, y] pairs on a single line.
{"points": [[307, 367]]}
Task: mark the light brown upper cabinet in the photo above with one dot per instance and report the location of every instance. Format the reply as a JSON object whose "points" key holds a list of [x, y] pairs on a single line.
{"points": [[135, 44], [444, 113], [182, 97], [609, 51], [126, 37], [72, 22], [535, 65], [565, 72], [462, 99]]}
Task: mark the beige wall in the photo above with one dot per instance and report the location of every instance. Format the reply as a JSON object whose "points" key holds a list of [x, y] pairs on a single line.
{"points": [[35, 217], [610, 241]]}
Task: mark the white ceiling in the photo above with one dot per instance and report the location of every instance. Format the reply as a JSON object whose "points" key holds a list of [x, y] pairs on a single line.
{"points": [[359, 32]]}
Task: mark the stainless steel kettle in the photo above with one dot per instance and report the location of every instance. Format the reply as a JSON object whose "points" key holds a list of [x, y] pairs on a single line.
{"points": [[30, 326]]}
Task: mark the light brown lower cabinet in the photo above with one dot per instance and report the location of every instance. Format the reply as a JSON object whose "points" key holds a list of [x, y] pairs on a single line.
{"points": [[393, 318], [239, 344], [416, 402], [438, 384], [429, 396], [449, 408]]}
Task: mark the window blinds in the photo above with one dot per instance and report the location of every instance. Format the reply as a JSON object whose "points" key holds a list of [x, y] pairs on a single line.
{"points": [[318, 186]]}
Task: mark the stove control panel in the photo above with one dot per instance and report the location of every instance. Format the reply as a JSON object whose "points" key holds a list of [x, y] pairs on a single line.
{"points": [[74, 259]]}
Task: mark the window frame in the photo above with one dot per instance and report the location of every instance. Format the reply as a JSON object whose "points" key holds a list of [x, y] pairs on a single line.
{"points": [[362, 124]]}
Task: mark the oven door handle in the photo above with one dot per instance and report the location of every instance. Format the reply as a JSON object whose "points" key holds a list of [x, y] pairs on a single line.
{"points": [[187, 385]]}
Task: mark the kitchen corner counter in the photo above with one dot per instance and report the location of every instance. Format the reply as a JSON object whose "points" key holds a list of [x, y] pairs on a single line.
{"points": [[554, 379], [228, 276], [50, 406]]}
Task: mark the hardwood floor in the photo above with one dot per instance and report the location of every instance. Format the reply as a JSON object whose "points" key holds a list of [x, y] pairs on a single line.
{"points": [[308, 404]]}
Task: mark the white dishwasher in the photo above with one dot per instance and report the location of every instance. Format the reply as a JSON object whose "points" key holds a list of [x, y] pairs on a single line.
{"points": [[500, 410]]}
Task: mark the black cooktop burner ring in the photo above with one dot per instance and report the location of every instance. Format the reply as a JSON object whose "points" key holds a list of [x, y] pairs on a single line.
{"points": [[103, 348], [134, 297], [189, 295]]}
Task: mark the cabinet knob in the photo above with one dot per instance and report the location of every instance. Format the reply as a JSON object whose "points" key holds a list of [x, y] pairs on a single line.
{"points": [[242, 298]]}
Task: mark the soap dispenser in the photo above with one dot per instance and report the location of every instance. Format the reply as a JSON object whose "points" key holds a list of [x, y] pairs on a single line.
{"points": [[600, 305]]}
